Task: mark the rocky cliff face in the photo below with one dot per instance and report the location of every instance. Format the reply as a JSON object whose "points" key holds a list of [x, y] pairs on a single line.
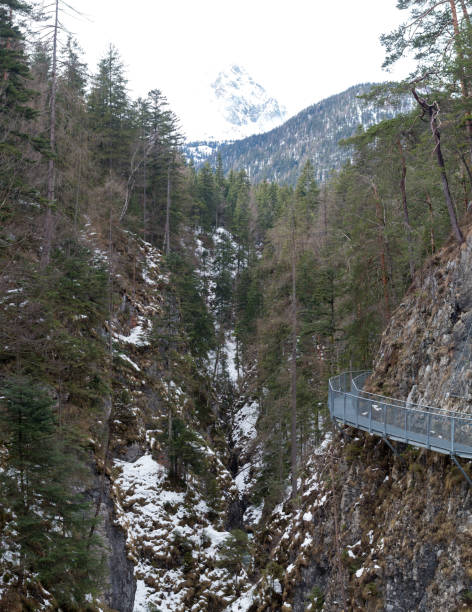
{"points": [[372, 532], [425, 354], [378, 531]]}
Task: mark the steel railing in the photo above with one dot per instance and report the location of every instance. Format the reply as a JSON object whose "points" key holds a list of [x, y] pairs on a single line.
{"points": [[423, 426]]}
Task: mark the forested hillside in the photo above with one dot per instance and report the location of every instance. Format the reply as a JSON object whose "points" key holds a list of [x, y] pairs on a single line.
{"points": [[167, 335], [312, 135]]}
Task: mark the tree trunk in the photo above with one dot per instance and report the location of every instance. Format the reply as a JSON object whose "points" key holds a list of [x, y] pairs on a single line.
{"points": [[405, 208], [455, 21], [430, 206], [132, 176], [460, 55], [8, 46], [237, 360], [167, 226], [110, 412], [325, 216], [144, 196], [293, 368], [217, 357], [77, 193], [462, 78], [332, 325], [466, 193], [433, 111], [381, 241], [465, 12], [281, 454], [337, 536], [467, 168], [172, 457], [51, 195]]}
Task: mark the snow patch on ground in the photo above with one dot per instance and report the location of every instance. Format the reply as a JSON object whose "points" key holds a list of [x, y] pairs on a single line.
{"points": [[161, 524], [136, 336], [230, 350], [130, 361], [151, 268], [245, 423], [253, 515], [327, 438], [244, 602], [141, 597], [243, 437]]}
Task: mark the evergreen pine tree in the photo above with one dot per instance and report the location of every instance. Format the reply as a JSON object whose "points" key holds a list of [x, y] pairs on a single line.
{"points": [[38, 485], [15, 104], [108, 107]]}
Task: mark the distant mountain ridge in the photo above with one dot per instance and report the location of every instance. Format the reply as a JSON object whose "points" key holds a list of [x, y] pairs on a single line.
{"points": [[313, 134]]}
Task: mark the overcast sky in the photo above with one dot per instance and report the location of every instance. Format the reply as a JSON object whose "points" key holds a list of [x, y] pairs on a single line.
{"points": [[300, 51]]}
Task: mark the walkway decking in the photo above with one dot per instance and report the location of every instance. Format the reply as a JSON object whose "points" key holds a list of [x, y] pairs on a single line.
{"points": [[423, 426]]}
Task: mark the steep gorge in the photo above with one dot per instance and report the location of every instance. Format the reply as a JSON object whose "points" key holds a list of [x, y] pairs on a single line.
{"points": [[171, 530], [167, 334], [369, 531]]}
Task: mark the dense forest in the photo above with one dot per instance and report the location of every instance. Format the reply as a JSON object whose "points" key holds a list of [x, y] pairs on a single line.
{"points": [[264, 289]]}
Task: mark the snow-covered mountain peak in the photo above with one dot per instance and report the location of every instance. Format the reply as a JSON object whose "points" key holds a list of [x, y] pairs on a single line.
{"points": [[246, 104], [234, 106], [237, 81]]}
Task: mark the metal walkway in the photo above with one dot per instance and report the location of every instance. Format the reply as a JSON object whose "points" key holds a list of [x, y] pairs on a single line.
{"points": [[436, 429]]}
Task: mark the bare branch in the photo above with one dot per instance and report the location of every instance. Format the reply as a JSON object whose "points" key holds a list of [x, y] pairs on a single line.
{"points": [[134, 170]]}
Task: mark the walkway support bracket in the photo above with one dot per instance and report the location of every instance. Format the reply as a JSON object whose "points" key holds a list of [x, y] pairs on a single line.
{"points": [[390, 445], [339, 429], [336, 426], [464, 473]]}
